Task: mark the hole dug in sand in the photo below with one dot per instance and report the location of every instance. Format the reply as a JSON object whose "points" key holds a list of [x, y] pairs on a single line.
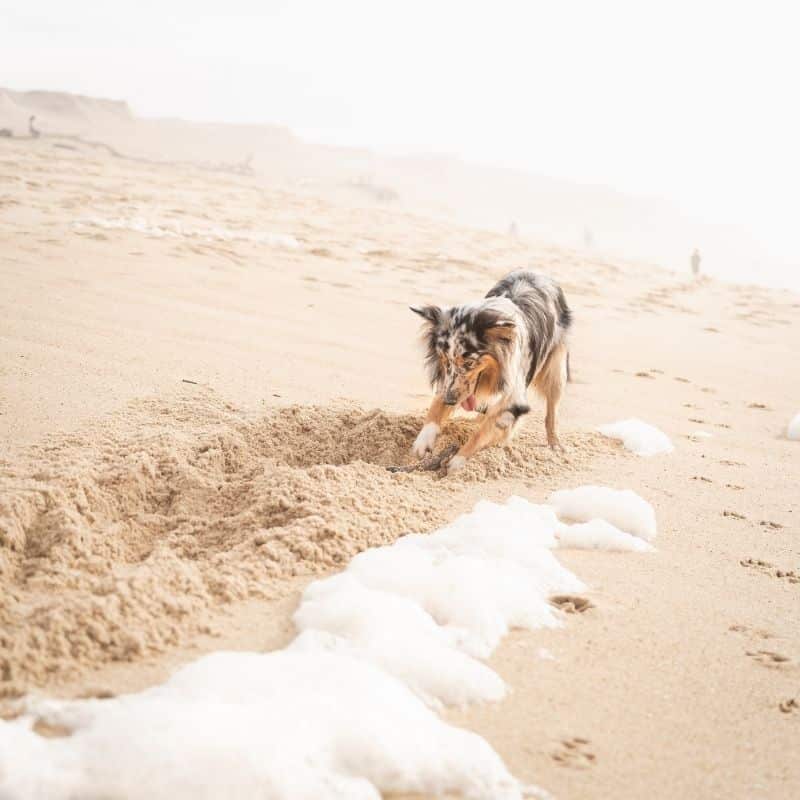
{"points": [[116, 543]]}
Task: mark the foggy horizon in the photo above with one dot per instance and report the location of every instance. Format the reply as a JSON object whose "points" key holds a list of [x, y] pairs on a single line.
{"points": [[670, 109]]}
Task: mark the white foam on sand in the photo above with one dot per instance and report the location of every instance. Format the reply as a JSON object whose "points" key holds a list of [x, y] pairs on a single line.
{"points": [[451, 595], [793, 431], [348, 709], [174, 229], [597, 534], [638, 436], [284, 725], [624, 509]]}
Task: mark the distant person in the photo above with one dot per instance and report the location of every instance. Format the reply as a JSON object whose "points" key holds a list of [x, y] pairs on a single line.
{"points": [[696, 263], [32, 130], [513, 230], [588, 237]]}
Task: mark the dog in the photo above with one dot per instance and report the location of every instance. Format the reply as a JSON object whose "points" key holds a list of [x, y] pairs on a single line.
{"points": [[483, 356]]}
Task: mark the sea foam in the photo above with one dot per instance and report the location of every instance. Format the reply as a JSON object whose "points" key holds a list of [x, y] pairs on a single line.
{"points": [[348, 709], [624, 509], [639, 437]]}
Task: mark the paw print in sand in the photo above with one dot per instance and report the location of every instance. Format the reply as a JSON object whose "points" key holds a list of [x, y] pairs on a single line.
{"points": [[571, 604], [574, 753]]}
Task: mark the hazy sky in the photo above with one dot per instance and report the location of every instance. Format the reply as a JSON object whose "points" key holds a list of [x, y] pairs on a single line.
{"points": [[695, 101]]}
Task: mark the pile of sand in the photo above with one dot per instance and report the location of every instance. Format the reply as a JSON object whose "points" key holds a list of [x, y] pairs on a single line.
{"points": [[114, 543]]}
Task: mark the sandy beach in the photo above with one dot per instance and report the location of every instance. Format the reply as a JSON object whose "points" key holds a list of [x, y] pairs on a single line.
{"points": [[204, 375]]}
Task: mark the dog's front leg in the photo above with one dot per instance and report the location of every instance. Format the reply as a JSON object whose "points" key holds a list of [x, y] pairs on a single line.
{"points": [[489, 433], [437, 414], [514, 407]]}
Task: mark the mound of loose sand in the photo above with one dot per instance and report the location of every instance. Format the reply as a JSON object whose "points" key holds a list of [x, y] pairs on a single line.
{"points": [[114, 543]]}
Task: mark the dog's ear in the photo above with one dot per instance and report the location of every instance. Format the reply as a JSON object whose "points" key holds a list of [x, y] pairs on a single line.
{"points": [[494, 327], [432, 314], [502, 330]]}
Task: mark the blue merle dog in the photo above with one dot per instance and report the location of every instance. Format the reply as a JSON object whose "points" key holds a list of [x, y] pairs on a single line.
{"points": [[483, 356]]}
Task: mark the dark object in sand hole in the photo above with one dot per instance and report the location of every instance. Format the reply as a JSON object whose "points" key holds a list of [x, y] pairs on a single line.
{"points": [[431, 463]]}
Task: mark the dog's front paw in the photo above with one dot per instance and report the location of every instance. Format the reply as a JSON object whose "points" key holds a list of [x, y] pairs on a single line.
{"points": [[505, 420], [457, 463], [425, 440]]}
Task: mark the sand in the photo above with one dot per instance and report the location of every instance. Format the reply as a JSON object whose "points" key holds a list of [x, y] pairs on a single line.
{"points": [[115, 548], [439, 186], [144, 519]]}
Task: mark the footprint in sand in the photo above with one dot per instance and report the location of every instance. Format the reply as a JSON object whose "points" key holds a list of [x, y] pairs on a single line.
{"points": [[733, 514], [789, 706], [643, 375], [788, 575], [770, 659], [768, 523], [683, 380], [571, 604], [751, 633], [757, 564], [735, 486], [758, 405], [702, 478], [765, 568], [728, 463], [574, 753]]}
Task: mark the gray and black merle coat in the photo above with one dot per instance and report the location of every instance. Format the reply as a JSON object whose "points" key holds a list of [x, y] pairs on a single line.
{"points": [[484, 355]]}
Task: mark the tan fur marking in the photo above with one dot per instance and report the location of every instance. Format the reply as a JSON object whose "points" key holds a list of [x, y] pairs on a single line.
{"points": [[438, 412], [488, 378], [487, 435], [504, 332], [550, 382]]}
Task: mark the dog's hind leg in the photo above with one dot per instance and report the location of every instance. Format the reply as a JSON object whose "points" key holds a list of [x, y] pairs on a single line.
{"points": [[550, 382], [436, 417]]}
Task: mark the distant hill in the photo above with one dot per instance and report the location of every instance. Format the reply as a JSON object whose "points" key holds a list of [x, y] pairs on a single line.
{"points": [[596, 218], [58, 110]]}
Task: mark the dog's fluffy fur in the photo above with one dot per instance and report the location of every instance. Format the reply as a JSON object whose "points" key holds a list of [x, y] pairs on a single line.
{"points": [[484, 356]]}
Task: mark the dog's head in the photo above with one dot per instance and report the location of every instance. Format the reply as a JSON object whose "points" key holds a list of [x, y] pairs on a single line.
{"points": [[465, 345]]}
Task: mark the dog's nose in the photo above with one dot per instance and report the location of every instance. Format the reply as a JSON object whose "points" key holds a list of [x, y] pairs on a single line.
{"points": [[450, 399]]}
